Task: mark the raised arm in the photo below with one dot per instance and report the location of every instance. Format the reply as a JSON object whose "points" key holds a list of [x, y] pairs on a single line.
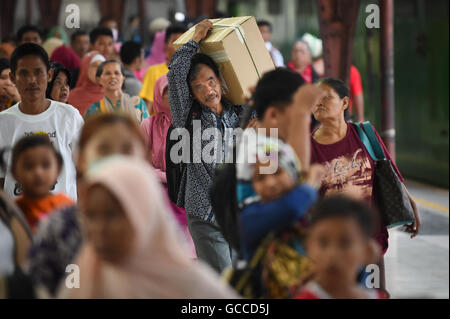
{"points": [[180, 99]]}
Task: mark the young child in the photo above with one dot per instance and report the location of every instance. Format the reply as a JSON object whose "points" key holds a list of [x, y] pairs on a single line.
{"points": [[36, 165], [275, 198], [339, 242]]}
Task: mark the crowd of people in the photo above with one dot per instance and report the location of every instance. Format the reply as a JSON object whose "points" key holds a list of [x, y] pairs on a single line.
{"points": [[86, 179]]}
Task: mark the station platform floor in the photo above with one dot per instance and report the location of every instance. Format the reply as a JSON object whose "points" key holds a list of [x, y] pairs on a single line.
{"points": [[419, 267]]}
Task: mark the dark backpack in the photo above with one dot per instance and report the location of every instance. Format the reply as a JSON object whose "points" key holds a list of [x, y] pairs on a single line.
{"points": [[174, 171]]}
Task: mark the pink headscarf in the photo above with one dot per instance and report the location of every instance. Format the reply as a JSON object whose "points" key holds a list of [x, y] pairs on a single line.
{"points": [[158, 266], [85, 92], [155, 127], [66, 57], [157, 55]]}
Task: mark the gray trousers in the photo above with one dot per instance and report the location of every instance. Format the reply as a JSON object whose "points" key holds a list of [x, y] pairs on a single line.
{"points": [[210, 245]]}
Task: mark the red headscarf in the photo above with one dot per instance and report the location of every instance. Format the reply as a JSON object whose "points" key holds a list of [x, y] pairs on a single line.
{"points": [[66, 57], [86, 92]]}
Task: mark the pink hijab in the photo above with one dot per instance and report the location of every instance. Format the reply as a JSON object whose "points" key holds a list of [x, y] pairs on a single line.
{"points": [[85, 92], [157, 55], [155, 127], [159, 265]]}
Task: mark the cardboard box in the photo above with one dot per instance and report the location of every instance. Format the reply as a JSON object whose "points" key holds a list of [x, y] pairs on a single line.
{"points": [[236, 45]]}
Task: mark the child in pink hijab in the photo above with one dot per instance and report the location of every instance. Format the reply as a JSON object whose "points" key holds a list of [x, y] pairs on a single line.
{"points": [[155, 131], [132, 247]]}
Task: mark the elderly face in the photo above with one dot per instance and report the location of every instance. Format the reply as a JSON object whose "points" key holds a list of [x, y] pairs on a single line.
{"points": [[301, 55], [60, 90], [111, 78], [207, 88], [330, 106]]}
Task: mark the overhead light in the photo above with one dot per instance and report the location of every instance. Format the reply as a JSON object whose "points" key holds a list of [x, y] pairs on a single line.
{"points": [[180, 16]]}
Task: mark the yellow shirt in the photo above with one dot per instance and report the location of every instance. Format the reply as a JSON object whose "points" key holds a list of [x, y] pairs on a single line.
{"points": [[152, 74]]}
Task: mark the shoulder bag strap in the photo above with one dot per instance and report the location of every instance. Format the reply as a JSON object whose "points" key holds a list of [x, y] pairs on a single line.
{"points": [[365, 140], [373, 140]]}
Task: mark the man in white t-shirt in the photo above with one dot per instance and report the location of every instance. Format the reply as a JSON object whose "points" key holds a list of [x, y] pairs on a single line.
{"points": [[35, 114]]}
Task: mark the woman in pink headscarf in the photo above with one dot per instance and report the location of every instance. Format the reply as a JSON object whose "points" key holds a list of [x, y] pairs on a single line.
{"points": [[155, 131], [87, 91], [157, 55], [132, 248]]}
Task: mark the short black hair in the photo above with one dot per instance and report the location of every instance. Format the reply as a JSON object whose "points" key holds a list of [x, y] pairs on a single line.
{"points": [[106, 18], [339, 206], [26, 28], [276, 88], [264, 23], [31, 141], [102, 66], [25, 50], [76, 34], [132, 17], [174, 29], [337, 85], [196, 62], [57, 68], [129, 51], [4, 64], [99, 31]]}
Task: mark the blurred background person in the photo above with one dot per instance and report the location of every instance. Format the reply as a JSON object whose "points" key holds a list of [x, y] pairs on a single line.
{"points": [[172, 33], [87, 91], [132, 248], [132, 32], [8, 91], [29, 33], [355, 110], [110, 76], [58, 32], [58, 239], [79, 41], [6, 49], [132, 57], [66, 57], [51, 44], [265, 27], [301, 62]]}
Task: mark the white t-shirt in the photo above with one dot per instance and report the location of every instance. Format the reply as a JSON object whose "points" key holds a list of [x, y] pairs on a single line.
{"points": [[62, 122]]}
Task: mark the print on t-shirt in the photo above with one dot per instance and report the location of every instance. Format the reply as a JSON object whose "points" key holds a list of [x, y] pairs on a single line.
{"points": [[350, 173]]}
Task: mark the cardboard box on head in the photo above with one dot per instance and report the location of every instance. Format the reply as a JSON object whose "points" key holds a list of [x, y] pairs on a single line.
{"points": [[236, 45]]}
